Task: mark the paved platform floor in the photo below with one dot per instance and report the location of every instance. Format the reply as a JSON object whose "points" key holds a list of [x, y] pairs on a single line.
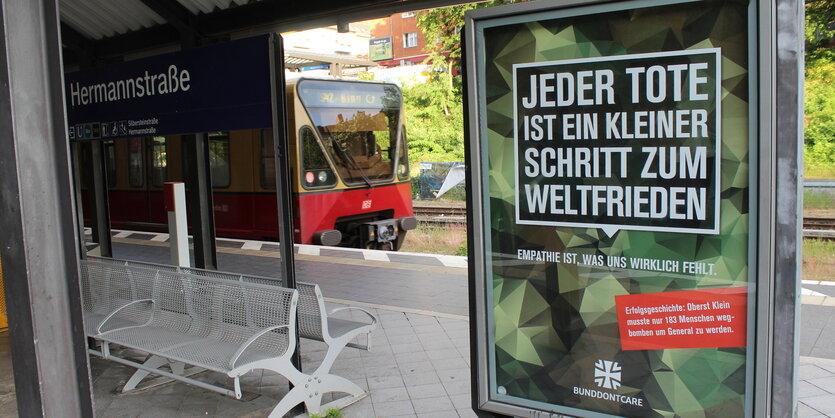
{"points": [[816, 390], [418, 366], [8, 401]]}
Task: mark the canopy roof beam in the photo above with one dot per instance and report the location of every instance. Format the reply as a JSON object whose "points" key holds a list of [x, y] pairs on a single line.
{"points": [[177, 16]]}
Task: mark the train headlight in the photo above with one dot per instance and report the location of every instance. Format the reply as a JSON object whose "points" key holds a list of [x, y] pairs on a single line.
{"points": [[323, 176], [401, 171], [309, 177]]}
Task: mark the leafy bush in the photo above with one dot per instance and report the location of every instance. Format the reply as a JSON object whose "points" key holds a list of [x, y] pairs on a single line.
{"points": [[820, 101], [434, 121], [820, 118], [332, 413], [820, 160]]}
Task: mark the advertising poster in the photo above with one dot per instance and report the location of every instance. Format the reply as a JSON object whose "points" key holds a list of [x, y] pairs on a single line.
{"points": [[380, 49], [614, 145]]}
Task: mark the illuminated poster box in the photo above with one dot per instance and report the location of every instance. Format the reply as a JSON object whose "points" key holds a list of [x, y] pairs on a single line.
{"points": [[610, 151]]}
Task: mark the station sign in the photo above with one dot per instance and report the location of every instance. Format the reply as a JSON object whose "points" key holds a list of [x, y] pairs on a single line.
{"points": [[610, 149], [220, 87]]}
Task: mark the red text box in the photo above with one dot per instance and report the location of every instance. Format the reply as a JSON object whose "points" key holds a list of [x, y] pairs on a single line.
{"points": [[683, 319]]}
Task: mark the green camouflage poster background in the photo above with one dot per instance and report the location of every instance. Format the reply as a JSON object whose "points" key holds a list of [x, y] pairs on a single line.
{"points": [[554, 323]]}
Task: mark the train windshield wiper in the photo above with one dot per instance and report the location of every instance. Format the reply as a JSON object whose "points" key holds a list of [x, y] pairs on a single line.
{"points": [[347, 158]]}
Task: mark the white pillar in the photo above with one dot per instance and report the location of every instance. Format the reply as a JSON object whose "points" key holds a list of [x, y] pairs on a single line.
{"points": [[175, 205]]}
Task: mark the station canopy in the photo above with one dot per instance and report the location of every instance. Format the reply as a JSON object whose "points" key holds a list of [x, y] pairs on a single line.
{"points": [[301, 59], [99, 32]]}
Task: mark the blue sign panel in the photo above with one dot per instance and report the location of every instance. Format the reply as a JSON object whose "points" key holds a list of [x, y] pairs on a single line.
{"points": [[214, 88]]}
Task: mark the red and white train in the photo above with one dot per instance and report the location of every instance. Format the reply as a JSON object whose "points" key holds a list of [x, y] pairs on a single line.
{"points": [[350, 171]]}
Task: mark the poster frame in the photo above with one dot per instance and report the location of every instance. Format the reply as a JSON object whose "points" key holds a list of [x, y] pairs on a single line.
{"points": [[770, 381]]}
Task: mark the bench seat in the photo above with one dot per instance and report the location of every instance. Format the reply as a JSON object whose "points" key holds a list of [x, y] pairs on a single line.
{"points": [[223, 325]]}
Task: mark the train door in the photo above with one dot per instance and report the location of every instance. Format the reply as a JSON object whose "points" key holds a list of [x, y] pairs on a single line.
{"points": [[137, 168], [127, 193], [265, 209], [85, 164], [231, 194]]}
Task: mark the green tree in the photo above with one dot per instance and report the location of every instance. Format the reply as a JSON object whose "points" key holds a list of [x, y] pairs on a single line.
{"points": [[442, 27], [820, 29], [435, 121], [820, 118], [434, 110], [819, 123]]}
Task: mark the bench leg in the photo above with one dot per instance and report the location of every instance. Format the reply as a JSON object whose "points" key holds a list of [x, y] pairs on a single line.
{"points": [[296, 396], [334, 383], [335, 348], [178, 368], [154, 362], [311, 394], [308, 389]]}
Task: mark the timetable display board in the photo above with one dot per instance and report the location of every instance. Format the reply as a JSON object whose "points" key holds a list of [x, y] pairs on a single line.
{"points": [[611, 149]]}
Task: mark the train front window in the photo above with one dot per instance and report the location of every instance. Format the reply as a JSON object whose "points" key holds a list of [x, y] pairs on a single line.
{"points": [[358, 123], [316, 172], [403, 162]]}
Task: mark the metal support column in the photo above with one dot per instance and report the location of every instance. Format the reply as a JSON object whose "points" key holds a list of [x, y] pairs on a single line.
{"points": [[75, 155], [787, 160], [198, 179], [281, 146], [100, 206], [39, 243]]}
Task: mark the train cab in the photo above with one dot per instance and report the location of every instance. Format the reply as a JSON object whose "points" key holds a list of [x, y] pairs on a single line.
{"points": [[353, 170]]}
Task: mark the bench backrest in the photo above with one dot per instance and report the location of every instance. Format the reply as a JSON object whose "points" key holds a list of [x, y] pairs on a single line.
{"points": [[311, 311], [223, 310], [217, 308], [132, 263], [210, 273], [311, 301], [108, 286]]}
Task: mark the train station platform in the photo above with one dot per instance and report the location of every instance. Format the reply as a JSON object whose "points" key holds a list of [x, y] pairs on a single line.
{"points": [[419, 364]]}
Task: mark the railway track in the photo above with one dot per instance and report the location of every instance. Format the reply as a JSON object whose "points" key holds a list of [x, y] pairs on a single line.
{"points": [[440, 213], [447, 213], [819, 228], [818, 223]]}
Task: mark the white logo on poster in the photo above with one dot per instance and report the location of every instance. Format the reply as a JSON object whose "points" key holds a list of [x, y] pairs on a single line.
{"points": [[607, 374]]}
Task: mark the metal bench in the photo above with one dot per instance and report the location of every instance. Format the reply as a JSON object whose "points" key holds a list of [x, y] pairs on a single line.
{"points": [[231, 327], [318, 324], [315, 322], [114, 295]]}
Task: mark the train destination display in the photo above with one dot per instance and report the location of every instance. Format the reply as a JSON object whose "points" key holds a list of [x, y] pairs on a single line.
{"points": [[610, 145]]}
